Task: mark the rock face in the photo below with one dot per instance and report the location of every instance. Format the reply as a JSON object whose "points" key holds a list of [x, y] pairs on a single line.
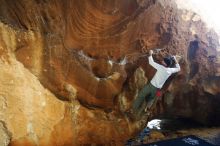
{"points": [[70, 69]]}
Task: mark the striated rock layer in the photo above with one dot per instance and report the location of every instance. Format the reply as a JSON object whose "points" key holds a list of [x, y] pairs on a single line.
{"points": [[70, 69]]}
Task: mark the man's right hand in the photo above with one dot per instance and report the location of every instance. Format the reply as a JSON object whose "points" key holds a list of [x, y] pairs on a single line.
{"points": [[177, 58]]}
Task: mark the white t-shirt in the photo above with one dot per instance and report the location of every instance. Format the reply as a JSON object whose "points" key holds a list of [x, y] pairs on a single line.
{"points": [[162, 74]]}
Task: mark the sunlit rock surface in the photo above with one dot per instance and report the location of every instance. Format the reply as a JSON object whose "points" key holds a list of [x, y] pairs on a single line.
{"points": [[70, 69]]}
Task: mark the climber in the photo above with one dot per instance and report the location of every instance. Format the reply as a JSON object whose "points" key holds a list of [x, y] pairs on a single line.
{"points": [[150, 90]]}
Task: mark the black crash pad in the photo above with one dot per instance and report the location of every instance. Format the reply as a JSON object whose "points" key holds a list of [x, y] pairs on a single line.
{"points": [[182, 141]]}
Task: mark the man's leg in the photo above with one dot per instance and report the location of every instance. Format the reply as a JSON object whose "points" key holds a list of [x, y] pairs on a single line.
{"points": [[153, 91], [151, 98], [147, 103], [141, 97]]}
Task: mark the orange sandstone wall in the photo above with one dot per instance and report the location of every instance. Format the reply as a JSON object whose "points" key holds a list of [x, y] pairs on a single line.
{"points": [[67, 74]]}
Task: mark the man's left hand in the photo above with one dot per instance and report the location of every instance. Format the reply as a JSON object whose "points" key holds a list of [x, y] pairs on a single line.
{"points": [[151, 52]]}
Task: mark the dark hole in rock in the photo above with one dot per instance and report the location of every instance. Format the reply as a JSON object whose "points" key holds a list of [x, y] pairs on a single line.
{"points": [[193, 47], [194, 68]]}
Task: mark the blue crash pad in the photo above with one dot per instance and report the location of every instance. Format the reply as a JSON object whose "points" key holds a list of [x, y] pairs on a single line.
{"points": [[190, 140]]}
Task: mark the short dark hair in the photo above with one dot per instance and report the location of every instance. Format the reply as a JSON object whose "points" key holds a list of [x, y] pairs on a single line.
{"points": [[168, 60]]}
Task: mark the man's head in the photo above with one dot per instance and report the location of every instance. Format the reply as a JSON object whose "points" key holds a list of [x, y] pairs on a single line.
{"points": [[167, 61]]}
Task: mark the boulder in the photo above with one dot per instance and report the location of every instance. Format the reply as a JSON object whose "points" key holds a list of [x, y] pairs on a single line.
{"points": [[69, 70]]}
